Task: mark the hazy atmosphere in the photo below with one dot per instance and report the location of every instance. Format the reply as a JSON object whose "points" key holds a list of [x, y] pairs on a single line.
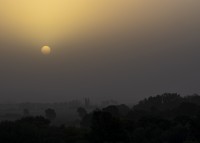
{"points": [[108, 49]]}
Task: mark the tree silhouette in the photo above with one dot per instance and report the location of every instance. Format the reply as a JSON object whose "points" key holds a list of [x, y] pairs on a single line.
{"points": [[167, 118], [106, 128], [50, 114], [26, 112], [81, 112]]}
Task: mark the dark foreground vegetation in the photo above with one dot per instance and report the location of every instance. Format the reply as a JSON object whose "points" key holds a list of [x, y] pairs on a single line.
{"points": [[167, 118]]}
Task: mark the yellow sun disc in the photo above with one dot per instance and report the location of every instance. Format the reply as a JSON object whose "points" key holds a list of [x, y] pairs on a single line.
{"points": [[46, 50]]}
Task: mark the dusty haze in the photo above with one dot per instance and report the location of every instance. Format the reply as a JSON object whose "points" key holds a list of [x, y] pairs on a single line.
{"points": [[122, 50]]}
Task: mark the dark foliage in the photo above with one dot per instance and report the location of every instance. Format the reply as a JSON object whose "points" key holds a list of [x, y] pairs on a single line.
{"points": [[167, 118], [81, 112], [50, 114]]}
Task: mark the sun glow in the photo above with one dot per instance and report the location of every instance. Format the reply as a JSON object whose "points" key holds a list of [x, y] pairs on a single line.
{"points": [[42, 19], [46, 50], [49, 20]]}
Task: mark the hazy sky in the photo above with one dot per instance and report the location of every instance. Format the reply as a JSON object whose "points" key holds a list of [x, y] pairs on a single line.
{"points": [[110, 49]]}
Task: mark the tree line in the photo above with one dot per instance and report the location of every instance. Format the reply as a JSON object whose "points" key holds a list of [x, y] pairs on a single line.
{"points": [[166, 118]]}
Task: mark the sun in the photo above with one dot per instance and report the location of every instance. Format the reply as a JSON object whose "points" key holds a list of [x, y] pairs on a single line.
{"points": [[46, 50]]}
